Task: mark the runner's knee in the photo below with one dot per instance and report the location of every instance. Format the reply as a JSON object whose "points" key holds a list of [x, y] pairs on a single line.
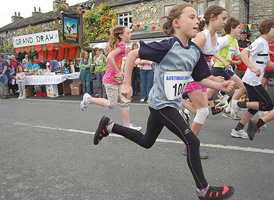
{"points": [[201, 115], [266, 107]]}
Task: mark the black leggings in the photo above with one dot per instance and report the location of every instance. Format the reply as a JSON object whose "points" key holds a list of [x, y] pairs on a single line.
{"points": [[171, 118], [258, 93]]}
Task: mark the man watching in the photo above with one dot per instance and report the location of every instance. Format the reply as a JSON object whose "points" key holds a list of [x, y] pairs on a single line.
{"points": [[244, 42], [25, 61], [4, 72], [14, 62]]}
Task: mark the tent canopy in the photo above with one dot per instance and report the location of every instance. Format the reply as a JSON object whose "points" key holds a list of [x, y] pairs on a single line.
{"points": [[52, 51]]}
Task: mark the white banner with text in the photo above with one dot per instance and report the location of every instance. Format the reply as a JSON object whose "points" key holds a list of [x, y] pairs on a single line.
{"points": [[36, 39]]}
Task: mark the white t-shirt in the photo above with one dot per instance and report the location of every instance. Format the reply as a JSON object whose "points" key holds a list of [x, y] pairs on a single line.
{"points": [[259, 56]]}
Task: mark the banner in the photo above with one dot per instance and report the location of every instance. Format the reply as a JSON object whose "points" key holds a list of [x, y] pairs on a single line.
{"points": [[36, 39]]}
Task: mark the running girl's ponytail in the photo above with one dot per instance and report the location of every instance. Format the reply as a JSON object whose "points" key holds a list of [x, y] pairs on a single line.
{"points": [[231, 24], [212, 11], [202, 24], [174, 13], [115, 37]]}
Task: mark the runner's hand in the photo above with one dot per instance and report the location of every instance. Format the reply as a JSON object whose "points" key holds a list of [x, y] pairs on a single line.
{"points": [[227, 86], [256, 71], [126, 91]]}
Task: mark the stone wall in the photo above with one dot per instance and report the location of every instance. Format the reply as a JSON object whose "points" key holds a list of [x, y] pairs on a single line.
{"points": [[259, 10], [147, 13]]}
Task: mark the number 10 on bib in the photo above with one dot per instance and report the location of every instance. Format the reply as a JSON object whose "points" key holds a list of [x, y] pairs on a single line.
{"points": [[175, 83]]}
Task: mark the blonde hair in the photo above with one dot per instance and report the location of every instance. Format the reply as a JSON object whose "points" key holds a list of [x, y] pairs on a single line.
{"points": [[174, 13], [115, 37], [83, 53]]}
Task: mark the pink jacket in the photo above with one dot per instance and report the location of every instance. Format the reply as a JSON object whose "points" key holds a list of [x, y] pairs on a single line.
{"points": [[22, 77]]}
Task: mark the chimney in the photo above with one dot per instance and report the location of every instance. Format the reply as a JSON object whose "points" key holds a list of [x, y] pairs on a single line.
{"points": [[35, 13], [59, 5], [16, 18]]}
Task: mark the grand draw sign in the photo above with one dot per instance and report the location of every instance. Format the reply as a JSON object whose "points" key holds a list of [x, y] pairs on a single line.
{"points": [[36, 39]]}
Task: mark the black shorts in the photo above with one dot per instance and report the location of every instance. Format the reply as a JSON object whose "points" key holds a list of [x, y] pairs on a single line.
{"points": [[269, 74], [218, 71]]}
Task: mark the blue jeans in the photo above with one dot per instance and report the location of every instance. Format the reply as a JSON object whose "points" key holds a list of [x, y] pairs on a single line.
{"points": [[86, 87], [101, 87], [147, 80]]}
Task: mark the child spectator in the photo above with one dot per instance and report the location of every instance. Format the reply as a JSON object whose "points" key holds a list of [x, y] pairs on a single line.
{"points": [[20, 76]]}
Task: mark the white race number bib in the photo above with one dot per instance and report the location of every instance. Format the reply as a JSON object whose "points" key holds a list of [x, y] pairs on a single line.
{"points": [[174, 83], [231, 53]]}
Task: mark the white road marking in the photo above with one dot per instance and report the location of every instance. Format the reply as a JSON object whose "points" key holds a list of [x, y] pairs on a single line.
{"points": [[228, 147]]}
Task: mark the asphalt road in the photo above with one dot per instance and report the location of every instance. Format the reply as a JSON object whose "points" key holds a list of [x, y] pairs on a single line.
{"points": [[46, 152]]}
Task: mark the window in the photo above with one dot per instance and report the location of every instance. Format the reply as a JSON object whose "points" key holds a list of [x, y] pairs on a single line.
{"points": [[125, 19], [167, 9], [210, 3], [222, 3], [201, 9]]}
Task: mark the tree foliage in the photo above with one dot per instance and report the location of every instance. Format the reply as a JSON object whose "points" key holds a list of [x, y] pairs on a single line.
{"points": [[97, 29]]}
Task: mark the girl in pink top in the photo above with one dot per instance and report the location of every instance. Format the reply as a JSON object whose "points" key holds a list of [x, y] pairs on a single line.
{"points": [[20, 76], [120, 35]]}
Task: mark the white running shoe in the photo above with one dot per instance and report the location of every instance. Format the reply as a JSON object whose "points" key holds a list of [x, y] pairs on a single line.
{"points": [[234, 106], [84, 104], [137, 128], [222, 102], [235, 116], [239, 134]]}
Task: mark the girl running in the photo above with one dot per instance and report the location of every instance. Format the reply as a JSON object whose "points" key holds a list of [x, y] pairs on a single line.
{"points": [[215, 18], [256, 58], [176, 59], [120, 35], [228, 46]]}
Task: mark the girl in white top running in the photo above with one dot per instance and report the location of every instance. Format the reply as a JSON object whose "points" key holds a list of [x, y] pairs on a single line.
{"points": [[227, 47], [215, 18], [256, 58]]}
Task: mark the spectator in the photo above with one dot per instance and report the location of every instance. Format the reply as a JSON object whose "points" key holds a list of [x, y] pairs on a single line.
{"points": [[54, 64], [20, 76], [85, 74], [269, 73], [14, 62], [4, 72], [102, 51], [135, 77], [146, 74], [29, 65], [72, 67], [25, 61], [244, 42], [35, 60], [101, 65], [12, 85]]}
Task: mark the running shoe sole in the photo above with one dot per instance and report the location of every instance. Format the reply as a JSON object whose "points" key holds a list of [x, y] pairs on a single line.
{"points": [[227, 195], [101, 130]]}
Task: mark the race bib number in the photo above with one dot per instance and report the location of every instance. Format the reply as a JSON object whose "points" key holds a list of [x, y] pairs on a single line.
{"points": [[174, 83], [231, 53]]}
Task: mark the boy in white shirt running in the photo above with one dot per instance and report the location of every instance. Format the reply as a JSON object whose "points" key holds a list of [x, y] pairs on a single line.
{"points": [[258, 96]]}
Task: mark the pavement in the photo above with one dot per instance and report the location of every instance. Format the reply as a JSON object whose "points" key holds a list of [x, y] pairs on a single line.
{"points": [[47, 152]]}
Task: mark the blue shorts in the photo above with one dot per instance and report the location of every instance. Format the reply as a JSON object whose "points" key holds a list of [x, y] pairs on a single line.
{"points": [[219, 71]]}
